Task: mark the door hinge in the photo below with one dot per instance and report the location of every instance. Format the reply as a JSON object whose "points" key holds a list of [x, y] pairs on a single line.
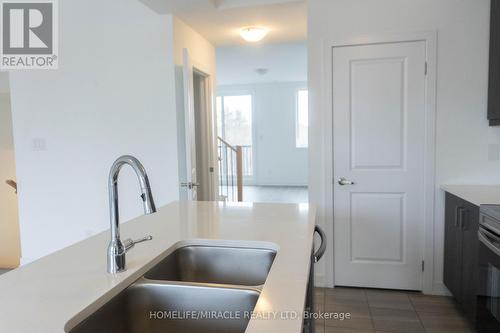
{"points": [[425, 70], [423, 266]]}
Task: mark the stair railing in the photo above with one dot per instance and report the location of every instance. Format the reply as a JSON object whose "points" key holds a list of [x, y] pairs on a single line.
{"points": [[230, 168]]}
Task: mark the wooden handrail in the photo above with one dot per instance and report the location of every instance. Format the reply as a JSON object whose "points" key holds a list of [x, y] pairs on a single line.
{"points": [[226, 143], [11, 183]]}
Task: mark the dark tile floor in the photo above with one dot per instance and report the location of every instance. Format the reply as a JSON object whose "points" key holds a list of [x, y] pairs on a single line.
{"points": [[381, 311]]}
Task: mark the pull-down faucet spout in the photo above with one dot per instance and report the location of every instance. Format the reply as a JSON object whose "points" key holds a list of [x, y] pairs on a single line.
{"points": [[117, 249]]}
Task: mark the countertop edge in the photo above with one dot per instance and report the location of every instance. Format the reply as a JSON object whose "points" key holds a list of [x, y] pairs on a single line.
{"points": [[475, 194], [74, 310]]}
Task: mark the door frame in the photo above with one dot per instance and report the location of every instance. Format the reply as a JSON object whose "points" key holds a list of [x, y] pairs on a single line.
{"points": [[326, 197], [189, 122], [211, 134], [211, 125]]}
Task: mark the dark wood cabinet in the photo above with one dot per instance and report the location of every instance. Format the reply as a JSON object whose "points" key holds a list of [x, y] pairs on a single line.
{"points": [[494, 73], [452, 275], [470, 270], [461, 252]]}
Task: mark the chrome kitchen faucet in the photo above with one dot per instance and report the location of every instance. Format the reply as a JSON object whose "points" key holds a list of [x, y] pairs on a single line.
{"points": [[117, 249]]}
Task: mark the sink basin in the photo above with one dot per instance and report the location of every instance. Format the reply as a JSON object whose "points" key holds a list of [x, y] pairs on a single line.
{"points": [[215, 264], [193, 280], [143, 307]]}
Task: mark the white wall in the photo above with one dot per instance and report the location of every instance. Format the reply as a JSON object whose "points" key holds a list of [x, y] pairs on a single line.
{"points": [[286, 62], [113, 94], [277, 160], [4, 83], [202, 55], [463, 134], [10, 251]]}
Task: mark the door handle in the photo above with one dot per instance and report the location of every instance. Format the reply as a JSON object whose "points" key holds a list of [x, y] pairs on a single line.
{"points": [[190, 185], [342, 181], [322, 247], [489, 239], [12, 184]]}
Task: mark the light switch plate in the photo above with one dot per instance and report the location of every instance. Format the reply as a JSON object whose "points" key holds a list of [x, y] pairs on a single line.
{"points": [[38, 144]]}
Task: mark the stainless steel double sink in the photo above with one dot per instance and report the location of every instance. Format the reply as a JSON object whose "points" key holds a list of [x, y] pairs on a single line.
{"points": [[196, 289]]}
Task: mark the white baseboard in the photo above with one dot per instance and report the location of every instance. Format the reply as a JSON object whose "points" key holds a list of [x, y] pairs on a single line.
{"points": [[319, 281], [439, 289], [24, 261]]}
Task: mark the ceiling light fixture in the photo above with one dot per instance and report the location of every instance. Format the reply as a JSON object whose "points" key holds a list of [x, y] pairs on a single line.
{"points": [[253, 34]]}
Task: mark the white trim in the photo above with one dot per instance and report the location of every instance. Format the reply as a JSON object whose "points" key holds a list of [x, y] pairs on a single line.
{"points": [[439, 289], [297, 91], [319, 280], [210, 91], [431, 39], [24, 261], [210, 142], [326, 93]]}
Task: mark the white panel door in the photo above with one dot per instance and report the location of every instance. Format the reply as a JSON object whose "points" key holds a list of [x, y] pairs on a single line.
{"points": [[190, 129], [379, 137]]}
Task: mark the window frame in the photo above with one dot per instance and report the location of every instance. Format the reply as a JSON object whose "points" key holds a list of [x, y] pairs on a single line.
{"points": [[225, 92], [297, 123]]}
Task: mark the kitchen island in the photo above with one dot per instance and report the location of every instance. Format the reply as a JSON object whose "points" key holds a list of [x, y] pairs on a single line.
{"points": [[475, 194], [56, 292]]}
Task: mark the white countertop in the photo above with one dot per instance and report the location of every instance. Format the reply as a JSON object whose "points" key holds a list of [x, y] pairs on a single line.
{"points": [[476, 194], [72, 283]]}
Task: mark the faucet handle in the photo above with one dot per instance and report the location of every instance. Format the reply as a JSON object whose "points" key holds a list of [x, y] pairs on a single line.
{"points": [[129, 243]]}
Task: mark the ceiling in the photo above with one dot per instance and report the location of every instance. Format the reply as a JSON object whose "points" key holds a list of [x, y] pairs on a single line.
{"points": [[284, 62], [220, 20]]}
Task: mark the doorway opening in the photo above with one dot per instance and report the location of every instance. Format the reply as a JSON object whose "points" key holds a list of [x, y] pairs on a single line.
{"points": [[235, 144], [260, 103], [274, 146], [203, 144]]}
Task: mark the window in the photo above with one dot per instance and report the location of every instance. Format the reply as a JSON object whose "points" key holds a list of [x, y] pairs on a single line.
{"points": [[302, 119], [218, 106], [234, 125], [235, 114]]}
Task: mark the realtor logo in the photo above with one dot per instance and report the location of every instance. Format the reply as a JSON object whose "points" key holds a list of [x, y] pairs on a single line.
{"points": [[29, 34]]}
